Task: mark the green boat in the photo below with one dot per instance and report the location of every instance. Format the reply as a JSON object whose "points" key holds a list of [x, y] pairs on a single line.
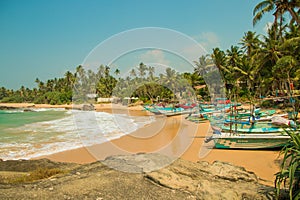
{"points": [[257, 127], [196, 119], [249, 141]]}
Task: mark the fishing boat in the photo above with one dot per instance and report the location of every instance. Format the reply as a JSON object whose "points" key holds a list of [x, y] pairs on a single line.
{"points": [[276, 124], [196, 117], [169, 111], [225, 140], [257, 136], [257, 127]]}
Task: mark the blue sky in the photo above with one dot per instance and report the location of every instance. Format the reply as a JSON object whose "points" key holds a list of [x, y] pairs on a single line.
{"points": [[45, 38]]}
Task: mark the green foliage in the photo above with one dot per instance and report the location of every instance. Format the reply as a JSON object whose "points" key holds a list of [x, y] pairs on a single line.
{"points": [[267, 104], [13, 99], [289, 176]]}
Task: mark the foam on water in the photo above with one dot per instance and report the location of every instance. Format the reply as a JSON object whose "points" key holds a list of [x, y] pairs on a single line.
{"points": [[76, 129]]}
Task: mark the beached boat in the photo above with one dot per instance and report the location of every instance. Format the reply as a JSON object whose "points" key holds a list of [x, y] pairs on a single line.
{"points": [[249, 141], [173, 110], [197, 118], [256, 127], [276, 124]]}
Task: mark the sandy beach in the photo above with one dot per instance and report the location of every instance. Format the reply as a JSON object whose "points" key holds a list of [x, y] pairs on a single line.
{"points": [[172, 136]]}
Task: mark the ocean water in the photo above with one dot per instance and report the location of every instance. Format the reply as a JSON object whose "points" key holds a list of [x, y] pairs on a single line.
{"points": [[25, 135]]}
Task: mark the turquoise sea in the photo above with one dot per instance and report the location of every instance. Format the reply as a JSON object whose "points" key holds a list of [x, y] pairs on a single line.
{"points": [[25, 135], [17, 118]]}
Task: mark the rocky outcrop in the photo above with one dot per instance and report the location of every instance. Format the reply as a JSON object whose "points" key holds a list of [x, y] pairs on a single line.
{"points": [[131, 177], [219, 180], [88, 107], [7, 108]]}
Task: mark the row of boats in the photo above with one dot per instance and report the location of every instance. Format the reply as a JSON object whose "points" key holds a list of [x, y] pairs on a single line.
{"points": [[234, 127]]}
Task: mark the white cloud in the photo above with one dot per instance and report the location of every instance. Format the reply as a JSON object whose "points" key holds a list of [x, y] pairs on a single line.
{"points": [[208, 40], [154, 56]]}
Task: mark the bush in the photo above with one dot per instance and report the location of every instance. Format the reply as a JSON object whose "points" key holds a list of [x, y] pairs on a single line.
{"points": [[267, 104], [289, 175]]}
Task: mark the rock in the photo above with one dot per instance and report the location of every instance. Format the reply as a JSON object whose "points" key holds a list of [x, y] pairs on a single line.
{"points": [[28, 110], [7, 108], [217, 181], [228, 171], [154, 177], [139, 163], [31, 165], [87, 107]]}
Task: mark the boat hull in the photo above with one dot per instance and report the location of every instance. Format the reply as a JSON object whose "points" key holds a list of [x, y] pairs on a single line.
{"points": [[255, 128], [250, 141]]}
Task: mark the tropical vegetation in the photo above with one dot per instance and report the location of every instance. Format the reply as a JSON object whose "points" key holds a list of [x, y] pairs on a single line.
{"points": [[288, 179]]}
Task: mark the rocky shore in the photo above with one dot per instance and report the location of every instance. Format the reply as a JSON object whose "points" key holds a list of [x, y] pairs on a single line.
{"points": [[129, 177]]}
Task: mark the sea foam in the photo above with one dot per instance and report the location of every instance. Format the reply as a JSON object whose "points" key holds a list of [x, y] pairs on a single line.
{"points": [[76, 129]]}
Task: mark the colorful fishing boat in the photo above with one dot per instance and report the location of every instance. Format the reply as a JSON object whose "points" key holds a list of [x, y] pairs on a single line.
{"points": [[172, 110], [249, 141], [256, 127]]}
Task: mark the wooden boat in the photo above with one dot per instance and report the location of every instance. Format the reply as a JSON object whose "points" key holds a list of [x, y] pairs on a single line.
{"points": [[249, 141], [256, 127], [276, 124], [196, 118], [171, 111]]}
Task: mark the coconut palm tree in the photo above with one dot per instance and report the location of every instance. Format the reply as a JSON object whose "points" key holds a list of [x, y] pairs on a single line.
{"points": [[219, 59], [249, 43], [117, 72], [267, 56], [201, 65], [142, 69], [151, 71], [170, 80], [279, 8], [133, 73]]}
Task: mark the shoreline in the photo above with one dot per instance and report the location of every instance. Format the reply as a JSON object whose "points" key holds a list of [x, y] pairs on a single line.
{"points": [[172, 136]]}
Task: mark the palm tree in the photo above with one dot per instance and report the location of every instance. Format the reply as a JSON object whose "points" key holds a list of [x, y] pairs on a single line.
{"points": [[284, 67], [170, 80], [101, 71], [249, 43], [201, 65], [219, 59], [289, 6], [106, 71], [268, 54], [117, 72], [151, 71], [132, 73], [142, 70], [69, 80], [279, 8], [263, 7]]}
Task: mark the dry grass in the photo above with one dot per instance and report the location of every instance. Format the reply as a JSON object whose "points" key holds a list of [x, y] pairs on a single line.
{"points": [[38, 174]]}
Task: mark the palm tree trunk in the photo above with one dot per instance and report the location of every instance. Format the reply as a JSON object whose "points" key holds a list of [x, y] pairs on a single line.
{"points": [[294, 15]]}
